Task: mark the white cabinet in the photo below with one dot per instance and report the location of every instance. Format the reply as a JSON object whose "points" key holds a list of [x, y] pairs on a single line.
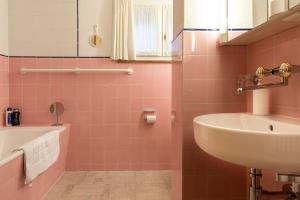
{"points": [[249, 21], [277, 7], [260, 12], [293, 3], [240, 14]]}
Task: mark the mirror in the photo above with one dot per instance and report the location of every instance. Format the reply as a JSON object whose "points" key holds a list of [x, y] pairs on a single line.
{"points": [[240, 17], [57, 109]]}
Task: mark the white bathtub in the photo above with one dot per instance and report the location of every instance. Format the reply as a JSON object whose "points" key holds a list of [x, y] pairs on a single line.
{"points": [[11, 138]]}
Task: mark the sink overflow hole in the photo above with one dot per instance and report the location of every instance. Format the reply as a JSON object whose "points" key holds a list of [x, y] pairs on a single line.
{"points": [[271, 127]]}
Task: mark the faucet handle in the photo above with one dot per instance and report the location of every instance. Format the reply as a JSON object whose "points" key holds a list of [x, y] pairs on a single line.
{"points": [[260, 73], [285, 70]]}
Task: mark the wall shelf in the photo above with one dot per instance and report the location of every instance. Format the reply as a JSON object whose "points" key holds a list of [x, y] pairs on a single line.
{"points": [[276, 25]]}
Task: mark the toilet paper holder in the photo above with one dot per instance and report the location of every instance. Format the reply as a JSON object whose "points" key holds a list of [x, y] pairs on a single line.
{"points": [[150, 116], [149, 110]]}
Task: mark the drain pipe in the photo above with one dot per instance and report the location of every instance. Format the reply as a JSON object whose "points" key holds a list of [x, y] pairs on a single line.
{"points": [[289, 191], [255, 189]]}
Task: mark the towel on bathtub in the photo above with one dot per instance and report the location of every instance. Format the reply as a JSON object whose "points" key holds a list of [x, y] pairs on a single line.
{"points": [[40, 154]]}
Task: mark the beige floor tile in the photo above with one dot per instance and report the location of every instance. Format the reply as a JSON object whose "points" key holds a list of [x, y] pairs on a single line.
{"points": [[152, 193], [121, 177], [72, 178], [122, 191], [92, 189], [112, 185], [94, 177], [161, 179]]}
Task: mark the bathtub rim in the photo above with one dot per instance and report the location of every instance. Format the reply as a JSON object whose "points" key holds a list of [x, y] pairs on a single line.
{"points": [[16, 154]]}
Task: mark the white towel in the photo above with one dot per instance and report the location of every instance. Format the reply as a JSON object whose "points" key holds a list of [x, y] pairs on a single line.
{"points": [[40, 154]]}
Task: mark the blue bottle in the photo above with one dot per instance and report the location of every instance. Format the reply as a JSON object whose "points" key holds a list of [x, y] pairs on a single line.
{"points": [[9, 117]]}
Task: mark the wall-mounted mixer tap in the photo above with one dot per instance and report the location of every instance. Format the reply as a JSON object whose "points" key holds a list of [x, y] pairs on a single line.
{"points": [[284, 71]]}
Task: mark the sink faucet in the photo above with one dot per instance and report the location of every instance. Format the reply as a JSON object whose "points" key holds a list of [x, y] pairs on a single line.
{"points": [[284, 71]]}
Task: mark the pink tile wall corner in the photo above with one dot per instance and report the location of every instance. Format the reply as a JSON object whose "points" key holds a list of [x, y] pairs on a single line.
{"points": [[209, 86], [270, 52], [104, 110], [4, 87]]}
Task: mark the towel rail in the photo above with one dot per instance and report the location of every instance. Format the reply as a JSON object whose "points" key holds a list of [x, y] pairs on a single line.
{"points": [[128, 71]]}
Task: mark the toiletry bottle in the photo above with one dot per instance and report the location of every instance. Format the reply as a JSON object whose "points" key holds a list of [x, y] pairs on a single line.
{"points": [[9, 117], [16, 117]]}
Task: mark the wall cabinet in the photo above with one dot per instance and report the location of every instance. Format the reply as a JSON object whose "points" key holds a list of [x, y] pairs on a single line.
{"points": [[293, 3], [252, 20]]}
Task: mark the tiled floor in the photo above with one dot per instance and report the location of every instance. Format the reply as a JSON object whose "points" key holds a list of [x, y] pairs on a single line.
{"points": [[144, 185]]}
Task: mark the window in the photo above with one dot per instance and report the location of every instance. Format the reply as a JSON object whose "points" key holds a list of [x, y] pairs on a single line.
{"points": [[153, 27]]}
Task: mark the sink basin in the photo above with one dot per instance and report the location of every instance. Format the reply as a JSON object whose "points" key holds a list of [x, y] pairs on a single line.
{"points": [[271, 143]]}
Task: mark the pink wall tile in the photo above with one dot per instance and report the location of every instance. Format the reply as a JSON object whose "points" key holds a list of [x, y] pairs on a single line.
{"points": [[270, 52], [104, 110], [283, 47], [209, 81], [4, 87], [12, 176]]}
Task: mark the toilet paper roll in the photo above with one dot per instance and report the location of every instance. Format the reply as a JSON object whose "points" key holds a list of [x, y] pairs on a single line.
{"points": [[261, 102], [150, 119]]}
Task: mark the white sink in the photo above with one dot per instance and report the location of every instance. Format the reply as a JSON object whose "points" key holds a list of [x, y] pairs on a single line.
{"points": [[247, 140]]}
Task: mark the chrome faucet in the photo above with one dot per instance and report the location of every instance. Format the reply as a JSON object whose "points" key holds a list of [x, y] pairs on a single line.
{"points": [[284, 71]]}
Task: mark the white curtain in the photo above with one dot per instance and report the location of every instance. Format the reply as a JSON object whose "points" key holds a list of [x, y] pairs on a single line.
{"points": [[123, 34], [148, 29]]}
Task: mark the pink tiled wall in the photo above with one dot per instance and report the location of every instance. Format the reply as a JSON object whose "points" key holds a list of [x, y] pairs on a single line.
{"points": [[12, 176], [209, 86], [105, 110], [4, 89], [271, 52]]}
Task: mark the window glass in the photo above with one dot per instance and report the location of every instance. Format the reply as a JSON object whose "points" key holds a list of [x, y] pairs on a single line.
{"points": [[148, 29], [153, 28]]}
